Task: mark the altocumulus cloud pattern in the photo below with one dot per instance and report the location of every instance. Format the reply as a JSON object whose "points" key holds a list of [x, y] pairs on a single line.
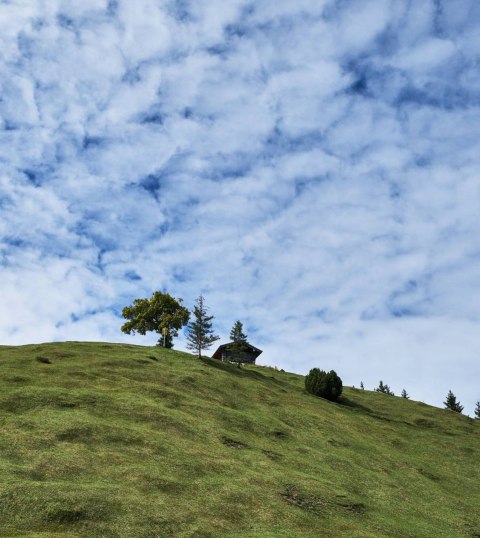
{"points": [[312, 167]]}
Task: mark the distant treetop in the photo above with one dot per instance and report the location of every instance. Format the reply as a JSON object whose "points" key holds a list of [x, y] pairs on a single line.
{"points": [[452, 404]]}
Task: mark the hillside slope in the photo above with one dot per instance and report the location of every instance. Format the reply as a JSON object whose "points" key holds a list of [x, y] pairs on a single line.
{"points": [[111, 440]]}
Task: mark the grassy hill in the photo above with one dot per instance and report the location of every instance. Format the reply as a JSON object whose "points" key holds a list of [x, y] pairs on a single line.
{"points": [[110, 440]]}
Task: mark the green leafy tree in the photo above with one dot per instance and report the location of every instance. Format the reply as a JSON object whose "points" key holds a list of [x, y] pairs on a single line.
{"points": [[477, 411], [324, 384], [405, 394], [239, 345], [162, 314], [200, 334], [451, 403]]}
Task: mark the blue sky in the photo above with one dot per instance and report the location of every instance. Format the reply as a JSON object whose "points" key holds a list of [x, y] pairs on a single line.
{"points": [[311, 167]]}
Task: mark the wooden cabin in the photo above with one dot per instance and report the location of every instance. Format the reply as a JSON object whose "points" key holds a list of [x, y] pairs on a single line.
{"points": [[249, 356]]}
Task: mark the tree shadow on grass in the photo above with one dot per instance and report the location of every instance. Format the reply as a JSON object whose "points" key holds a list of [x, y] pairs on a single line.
{"points": [[362, 408], [231, 368], [353, 405], [240, 372]]}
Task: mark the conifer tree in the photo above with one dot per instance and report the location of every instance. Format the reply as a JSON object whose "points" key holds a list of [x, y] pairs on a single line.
{"points": [[324, 384], [452, 404], [381, 387], [362, 386], [384, 388], [477, 411], [239, 343], [237, 334], [405, 394], [388, 390], [200, 334]]}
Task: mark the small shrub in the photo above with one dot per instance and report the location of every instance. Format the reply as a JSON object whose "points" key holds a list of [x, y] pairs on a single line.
{"points": [[327, 385]]}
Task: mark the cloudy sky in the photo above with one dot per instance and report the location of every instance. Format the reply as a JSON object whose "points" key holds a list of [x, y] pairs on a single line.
{"points": [[311, 167]]}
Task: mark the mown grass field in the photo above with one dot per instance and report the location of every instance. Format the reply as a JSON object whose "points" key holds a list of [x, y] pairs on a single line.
{"points": [[111, 440]]}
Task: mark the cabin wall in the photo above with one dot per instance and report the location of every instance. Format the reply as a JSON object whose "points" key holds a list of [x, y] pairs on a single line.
{"points": [[247, 358]]}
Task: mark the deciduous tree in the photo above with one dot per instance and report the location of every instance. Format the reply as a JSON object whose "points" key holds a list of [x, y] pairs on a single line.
{"points": [[162, 314]]}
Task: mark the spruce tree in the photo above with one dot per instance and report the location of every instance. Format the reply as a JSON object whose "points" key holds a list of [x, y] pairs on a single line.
{"points": [[200, 334], [384, 388], [405, 394], [388, 390], [477, 411], [381, 387], [237, 334], [239, 343], [362, 386], [452, 404]]}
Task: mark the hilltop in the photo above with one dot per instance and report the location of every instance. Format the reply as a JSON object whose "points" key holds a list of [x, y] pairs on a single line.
{"points": [[113, 440]]}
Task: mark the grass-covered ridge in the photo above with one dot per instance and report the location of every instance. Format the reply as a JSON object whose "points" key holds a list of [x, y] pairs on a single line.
{"points": [[111, 440]]}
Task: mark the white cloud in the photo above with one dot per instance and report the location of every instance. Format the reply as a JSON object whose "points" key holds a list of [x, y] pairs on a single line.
{"points": [[85, 8], [19, 105], [145, 30], [302, 94], [360, 23], [426, 55]]}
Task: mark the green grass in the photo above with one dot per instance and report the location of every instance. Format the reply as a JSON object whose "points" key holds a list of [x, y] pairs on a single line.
{"points": [[110, 440]]}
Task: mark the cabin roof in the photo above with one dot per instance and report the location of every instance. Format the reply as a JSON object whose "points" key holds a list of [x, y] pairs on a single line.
{"points": [[253, 350]]}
